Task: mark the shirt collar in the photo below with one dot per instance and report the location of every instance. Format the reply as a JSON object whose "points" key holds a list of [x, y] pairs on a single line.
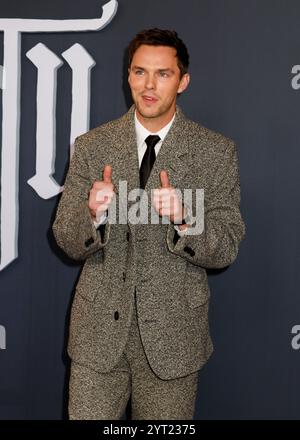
{"points": [[142, 133]]}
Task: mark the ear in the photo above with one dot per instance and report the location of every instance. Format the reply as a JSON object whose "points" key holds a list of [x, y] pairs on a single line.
{"points": [[184, 82]]}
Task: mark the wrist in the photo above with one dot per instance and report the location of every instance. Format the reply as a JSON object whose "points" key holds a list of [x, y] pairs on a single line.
{"points": [[186, 219], [182, 226]]}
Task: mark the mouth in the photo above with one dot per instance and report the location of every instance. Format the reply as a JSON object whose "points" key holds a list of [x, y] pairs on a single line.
{"points": [[149, 99]]}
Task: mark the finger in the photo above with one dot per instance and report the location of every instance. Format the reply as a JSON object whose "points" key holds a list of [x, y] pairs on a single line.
{"points": [[103, 199], [166, 204], [156, 198], [164, 179], [155, 203], [107, 174], [97, 185], [168, 199], [102, 193], [102, 208], [164, 212]]}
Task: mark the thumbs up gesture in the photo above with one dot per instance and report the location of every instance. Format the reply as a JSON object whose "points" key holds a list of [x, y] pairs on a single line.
{"points": [[167, 202], [101, 194]]}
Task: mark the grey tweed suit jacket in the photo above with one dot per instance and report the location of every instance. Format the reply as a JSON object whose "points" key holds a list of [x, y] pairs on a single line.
{"points": [[143, 262]]}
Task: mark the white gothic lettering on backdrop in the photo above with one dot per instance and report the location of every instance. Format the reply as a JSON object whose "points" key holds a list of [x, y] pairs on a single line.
{"points": [[47, 64]]}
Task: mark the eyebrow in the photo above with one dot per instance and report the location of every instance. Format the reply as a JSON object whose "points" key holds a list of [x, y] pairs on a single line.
{"points": [[167, 69]]}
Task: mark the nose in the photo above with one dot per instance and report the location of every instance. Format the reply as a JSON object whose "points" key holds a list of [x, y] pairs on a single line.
{"points": [[150, 82]]}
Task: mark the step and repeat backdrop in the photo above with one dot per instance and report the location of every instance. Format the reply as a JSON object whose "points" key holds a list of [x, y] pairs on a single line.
{"points": [[62, 72]]}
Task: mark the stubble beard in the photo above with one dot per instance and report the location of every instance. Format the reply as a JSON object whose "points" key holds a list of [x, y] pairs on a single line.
{"points": [[152, 113]]}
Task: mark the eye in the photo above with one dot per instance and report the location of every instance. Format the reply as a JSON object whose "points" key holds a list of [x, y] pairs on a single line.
{"points": [[164, 74], [139, 72]]}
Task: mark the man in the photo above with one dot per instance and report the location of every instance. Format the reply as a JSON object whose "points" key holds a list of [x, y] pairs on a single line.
{"points": [[139, 325]]}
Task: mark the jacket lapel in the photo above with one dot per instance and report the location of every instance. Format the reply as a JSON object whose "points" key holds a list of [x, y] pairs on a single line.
{"points": [[172, 156], [126, 155]]}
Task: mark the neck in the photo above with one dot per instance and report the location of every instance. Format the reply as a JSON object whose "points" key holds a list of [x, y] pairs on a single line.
{"points": [[155, 124]]}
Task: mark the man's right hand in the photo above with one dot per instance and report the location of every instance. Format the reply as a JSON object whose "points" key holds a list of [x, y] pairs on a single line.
{"points": [[101, 194]]}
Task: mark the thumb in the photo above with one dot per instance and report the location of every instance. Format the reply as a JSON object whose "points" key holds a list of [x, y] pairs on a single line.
{"points": [[164, 179], [107, 173]]}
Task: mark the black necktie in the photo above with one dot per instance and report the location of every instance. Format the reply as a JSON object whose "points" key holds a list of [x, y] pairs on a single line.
{"points": [[148, 159]]}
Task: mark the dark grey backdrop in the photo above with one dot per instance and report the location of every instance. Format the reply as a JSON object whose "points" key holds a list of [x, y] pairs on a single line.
{"points": [[242, 53]]}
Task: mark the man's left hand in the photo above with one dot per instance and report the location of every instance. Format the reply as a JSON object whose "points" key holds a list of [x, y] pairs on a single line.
{"points": [[167, 202]]}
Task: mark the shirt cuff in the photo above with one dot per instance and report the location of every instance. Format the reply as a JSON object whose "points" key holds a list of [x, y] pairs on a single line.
{"points": [[101, 221], [179, 231], [187, 219]]}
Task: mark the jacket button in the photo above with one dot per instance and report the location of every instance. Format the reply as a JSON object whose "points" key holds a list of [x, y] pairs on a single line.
{"points": [[89, 241], [124, 276], [127, 236], [116, 315]]}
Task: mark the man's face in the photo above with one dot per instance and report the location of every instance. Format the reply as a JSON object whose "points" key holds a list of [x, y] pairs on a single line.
{"points": [[154, 79]]}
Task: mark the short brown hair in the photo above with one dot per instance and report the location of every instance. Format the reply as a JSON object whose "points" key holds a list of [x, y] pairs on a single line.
{"points": [[161, 37]]}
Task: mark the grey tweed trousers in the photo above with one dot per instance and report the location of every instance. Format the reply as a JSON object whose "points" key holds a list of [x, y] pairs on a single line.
{"points": [[104, 396]]}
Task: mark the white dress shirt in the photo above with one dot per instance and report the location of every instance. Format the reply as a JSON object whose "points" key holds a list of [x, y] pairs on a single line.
{"points": [[142, 133]]}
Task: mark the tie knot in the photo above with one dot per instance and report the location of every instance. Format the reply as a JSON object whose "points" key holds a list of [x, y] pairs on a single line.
{"points": [[152, 140]]}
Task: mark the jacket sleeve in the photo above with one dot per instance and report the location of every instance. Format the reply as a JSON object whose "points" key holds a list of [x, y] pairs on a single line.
{"points": [[217, 246], [73, 227]]}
